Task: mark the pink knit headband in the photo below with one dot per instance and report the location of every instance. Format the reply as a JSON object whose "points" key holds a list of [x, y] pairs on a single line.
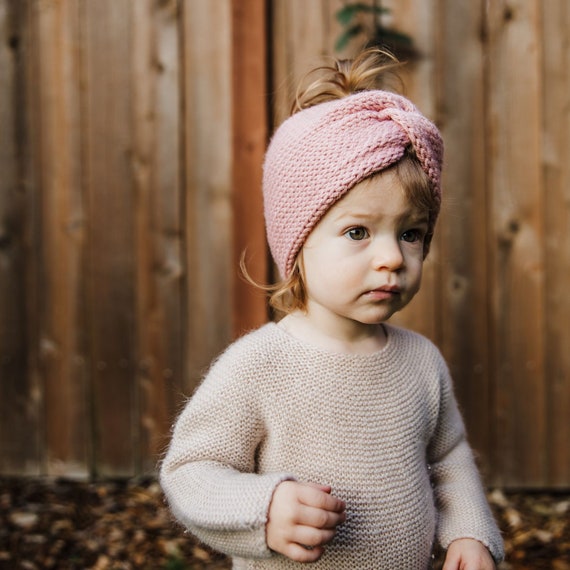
{"points": [[320, 153]]}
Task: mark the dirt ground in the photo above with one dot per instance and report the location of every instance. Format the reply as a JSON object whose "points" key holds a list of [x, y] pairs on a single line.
{"points": [[125, 525]]}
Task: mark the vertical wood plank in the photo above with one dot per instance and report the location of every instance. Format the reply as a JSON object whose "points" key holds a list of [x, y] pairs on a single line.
{"points": [[556, 150], [20, 395], [121, 156], [250, 112], [207, 167], [61, 349], [158, 219], [303, 36], [108, 148], [301, 40], [333, 31], [417, 19], [463, 225], [516, 239]]}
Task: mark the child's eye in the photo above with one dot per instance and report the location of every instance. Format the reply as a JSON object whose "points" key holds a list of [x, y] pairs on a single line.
{"points": [[412, 236], [357, 234]]}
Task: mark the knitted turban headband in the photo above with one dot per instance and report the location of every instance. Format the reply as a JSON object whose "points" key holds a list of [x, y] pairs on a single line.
{"points": [[321, 152]]}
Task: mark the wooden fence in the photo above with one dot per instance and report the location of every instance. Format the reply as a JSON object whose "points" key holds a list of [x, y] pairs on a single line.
{"points": [[131, 141]]}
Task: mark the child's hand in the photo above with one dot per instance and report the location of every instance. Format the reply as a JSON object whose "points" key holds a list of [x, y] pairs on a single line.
{"points": [[303, 518], [468, 554]]}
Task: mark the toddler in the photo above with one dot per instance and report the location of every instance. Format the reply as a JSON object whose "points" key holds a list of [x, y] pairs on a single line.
{"points": [[332, 437]]}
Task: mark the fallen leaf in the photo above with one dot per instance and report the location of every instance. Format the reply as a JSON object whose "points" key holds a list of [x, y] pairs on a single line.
{"points": [[24, 520]]}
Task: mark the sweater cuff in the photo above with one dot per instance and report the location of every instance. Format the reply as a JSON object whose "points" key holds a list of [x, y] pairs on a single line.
{"points": [[232, 524], [494, 544]]}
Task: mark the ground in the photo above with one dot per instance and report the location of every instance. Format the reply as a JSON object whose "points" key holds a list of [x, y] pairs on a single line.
{"points": [[125, 525]]}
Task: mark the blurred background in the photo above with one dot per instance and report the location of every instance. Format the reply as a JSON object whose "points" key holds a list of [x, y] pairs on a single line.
{"points": [[132, 135]]}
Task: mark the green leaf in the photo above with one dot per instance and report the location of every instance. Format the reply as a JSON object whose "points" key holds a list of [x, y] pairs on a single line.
{"points": [[347, 12], [347, 35]]}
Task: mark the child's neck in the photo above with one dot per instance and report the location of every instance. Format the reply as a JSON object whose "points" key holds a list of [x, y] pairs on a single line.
{"points": [[353, 338]]}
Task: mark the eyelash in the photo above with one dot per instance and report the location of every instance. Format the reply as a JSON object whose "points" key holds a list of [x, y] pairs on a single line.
{"points": [[350, 233], [415, 234]]}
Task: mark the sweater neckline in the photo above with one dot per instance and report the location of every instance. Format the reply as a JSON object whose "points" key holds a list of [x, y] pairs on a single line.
{"points": [[314, 351]]}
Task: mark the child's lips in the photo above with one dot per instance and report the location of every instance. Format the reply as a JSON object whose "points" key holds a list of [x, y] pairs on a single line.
{"points": [[383, 293]]}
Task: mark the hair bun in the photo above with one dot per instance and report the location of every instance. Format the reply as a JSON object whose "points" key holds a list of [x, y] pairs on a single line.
{"points": [[369, 71]]}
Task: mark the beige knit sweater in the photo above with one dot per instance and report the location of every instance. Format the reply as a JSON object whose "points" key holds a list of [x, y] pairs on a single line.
{"points": [[383, 430]]}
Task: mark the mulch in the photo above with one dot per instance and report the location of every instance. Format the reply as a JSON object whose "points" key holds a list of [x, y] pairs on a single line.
{"points": [[120, 525]]}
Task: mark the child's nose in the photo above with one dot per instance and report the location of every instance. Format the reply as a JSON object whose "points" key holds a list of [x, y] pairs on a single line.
{"points": [[388, 254]]}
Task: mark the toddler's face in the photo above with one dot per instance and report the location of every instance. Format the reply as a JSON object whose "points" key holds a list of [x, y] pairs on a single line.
{"points": [[363, 261]]}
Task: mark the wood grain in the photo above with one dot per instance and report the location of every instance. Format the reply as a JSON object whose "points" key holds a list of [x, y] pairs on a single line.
{"points": [[516, 240], [249, 138], [556, 190], [130, 157], [109, 186]]}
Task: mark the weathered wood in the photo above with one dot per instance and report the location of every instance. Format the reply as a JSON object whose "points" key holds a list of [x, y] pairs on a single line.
{"points": [[463, 316], [516, 240], [249, 136], [159, 222], [206, 88], [20, 394], [301, 40], [556, 150], [130, 150], [62, 229], [108, 151]]}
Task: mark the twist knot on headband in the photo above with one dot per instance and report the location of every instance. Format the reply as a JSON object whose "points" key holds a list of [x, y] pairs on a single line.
{"points": [[317, 155]]}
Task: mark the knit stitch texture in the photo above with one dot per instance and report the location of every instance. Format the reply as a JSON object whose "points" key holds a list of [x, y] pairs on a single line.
{"points": [[321, 152], [383, 430]]}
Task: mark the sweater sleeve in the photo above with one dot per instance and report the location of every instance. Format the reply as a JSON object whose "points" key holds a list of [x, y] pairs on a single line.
{"points": [[208, 474], [463, 510]]}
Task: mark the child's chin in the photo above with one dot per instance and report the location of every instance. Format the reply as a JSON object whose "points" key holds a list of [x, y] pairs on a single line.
{"points": [[376, 320]]}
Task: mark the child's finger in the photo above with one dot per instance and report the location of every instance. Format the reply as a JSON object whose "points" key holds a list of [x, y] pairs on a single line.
{"points": [[312, 537], [323, 488], [313, 496], [319, 518], [300, 553]]}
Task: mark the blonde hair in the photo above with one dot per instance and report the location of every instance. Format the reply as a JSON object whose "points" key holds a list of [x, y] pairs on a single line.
{"points": [[285, 296], [366, 72], [344, 77]]}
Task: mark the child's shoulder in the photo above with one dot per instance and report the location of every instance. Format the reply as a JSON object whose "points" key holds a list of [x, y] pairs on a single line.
{"points": [[255, 342], [414, 343], [247, 361], [254, 349]]}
